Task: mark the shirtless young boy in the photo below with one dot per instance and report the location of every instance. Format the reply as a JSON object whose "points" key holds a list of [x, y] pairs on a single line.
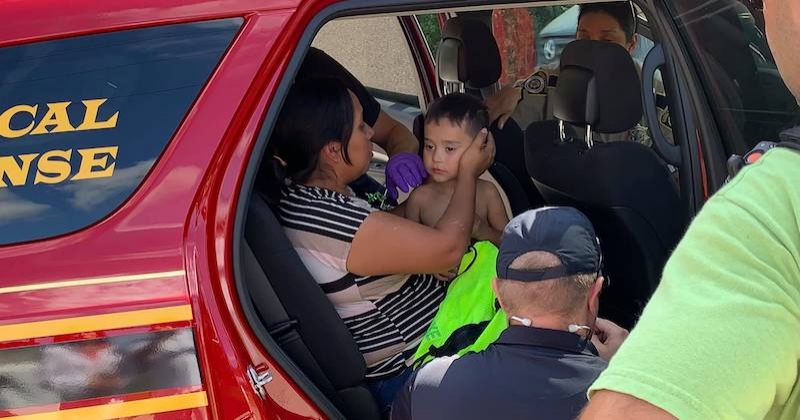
{"points": [[450, 125]]}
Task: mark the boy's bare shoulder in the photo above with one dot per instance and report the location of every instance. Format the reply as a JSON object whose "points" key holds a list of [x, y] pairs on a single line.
{"points": [[422, 193], [486, 188]]}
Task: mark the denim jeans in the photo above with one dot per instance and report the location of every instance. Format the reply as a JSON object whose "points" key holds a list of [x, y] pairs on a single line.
{"points": [[385, 390]]}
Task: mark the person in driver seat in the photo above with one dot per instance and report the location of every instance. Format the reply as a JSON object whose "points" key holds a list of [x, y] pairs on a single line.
{"points": [[527, 101]]}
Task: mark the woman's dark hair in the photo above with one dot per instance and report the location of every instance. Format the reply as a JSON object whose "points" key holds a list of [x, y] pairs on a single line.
{"points": [[316, 112], [621, 11]]}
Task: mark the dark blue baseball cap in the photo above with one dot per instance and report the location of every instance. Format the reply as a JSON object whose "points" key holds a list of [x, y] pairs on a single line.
{"points": [[562, 231]]}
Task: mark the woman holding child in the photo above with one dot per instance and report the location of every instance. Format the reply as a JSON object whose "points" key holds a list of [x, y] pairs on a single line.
{"points": [[362, 257]]}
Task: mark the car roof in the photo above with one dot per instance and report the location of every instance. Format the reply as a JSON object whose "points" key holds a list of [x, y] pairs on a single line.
{"points": [[34, 20]]}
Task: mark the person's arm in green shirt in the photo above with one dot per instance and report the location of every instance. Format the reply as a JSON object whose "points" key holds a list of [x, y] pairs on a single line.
{"points": [[721, 336]]}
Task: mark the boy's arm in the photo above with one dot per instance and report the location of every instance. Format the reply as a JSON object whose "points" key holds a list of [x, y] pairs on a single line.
{"points": [[413, 207], [496, 216], [400, 210]]}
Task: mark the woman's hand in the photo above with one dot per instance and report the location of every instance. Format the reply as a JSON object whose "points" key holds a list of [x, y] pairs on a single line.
{"points": [[502, 104], [415, 248], [479, 155]]}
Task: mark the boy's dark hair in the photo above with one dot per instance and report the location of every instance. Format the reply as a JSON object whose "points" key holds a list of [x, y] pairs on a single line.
{"points": [[621, 11], [461, 109]]}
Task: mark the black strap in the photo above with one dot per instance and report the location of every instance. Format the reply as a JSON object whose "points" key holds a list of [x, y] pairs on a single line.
{"points": [[790, 145], [790, 140], [461, 338]]}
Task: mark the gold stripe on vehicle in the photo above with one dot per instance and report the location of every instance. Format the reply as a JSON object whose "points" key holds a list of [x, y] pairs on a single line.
{"points": [[91, 281], [89, 323], [126, 408]]}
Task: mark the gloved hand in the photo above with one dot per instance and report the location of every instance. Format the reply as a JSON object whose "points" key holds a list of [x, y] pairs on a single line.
{"points": [[405, 171]]}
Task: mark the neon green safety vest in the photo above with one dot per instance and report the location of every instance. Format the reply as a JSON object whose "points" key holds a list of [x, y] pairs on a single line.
{"points": [[469, 301]]}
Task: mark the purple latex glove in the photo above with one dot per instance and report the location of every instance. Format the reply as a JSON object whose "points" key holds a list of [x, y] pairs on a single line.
{"points": [[405, 171]]}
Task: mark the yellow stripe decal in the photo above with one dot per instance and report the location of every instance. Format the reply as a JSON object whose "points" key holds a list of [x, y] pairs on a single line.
{"points": [[95, 323], [125, 409], [90, 282]]}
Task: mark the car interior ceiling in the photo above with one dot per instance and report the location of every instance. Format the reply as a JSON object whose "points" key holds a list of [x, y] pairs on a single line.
{"points": [[634, 207]]}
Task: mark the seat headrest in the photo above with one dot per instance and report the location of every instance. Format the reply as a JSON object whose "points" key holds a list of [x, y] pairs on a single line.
{"points": [[468, 54], [598, 84]]}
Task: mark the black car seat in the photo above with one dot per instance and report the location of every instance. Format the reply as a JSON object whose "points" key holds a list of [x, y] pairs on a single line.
{"points": [[623, 187], [299, 316], [468, 56]]}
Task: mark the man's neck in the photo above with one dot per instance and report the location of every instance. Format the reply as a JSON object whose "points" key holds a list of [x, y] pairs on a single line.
{"points": [[551, 322]]}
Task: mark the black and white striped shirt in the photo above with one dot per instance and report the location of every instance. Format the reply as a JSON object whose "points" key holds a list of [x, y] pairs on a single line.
{"points": [[388, 314]]}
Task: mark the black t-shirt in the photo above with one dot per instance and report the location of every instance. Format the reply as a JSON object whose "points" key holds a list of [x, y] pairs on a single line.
{"points": [[319, 64], [527, 373]]}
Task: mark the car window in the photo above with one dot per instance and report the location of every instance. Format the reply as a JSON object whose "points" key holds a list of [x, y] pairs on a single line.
{"points": [[560, 24], [556, 27], [429, 24], [749, 99], [375, 50], [82, 120]]}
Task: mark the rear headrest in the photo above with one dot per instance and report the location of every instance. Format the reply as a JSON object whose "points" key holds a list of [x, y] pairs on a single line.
{"points": [[468, 54], [598, 84]]}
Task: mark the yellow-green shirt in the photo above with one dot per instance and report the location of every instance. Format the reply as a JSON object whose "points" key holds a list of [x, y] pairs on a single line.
{"points": [[720, 338]]}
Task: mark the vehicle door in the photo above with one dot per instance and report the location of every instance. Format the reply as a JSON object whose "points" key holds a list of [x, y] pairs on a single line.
{"points": [[736, 93]]}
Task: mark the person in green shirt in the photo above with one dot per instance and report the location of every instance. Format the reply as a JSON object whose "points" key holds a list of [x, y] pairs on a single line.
{"points": [[720, 338]]}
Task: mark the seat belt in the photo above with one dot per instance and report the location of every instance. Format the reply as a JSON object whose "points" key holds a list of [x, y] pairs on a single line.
{"points": [[278, 323]]}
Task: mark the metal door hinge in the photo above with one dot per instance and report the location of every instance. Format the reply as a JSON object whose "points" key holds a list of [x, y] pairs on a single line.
{"points": [[259, 380]]}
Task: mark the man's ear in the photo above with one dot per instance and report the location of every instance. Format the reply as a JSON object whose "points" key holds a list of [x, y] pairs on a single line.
{"points": [[594, 295], [495, 287]]}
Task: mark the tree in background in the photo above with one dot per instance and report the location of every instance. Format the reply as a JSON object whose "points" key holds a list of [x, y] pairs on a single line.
{"points": [[430, 28], [514, 31]]}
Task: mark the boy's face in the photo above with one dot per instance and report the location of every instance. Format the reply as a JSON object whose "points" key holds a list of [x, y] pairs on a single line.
{"points": [[445, 142]]}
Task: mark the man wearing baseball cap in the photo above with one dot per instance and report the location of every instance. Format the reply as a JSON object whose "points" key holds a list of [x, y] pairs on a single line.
{"points": [[549, 281]]}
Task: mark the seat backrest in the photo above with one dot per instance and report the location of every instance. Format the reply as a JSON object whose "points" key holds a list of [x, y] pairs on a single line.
{"points": [[468, 55], [623, 187], [313, 336]]}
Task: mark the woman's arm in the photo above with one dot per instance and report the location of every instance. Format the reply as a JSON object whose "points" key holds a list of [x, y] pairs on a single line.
{"points": [[400, 210], [387, 244]]}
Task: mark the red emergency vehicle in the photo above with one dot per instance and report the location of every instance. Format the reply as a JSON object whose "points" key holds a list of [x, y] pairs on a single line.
{"points": [[130, 137]]}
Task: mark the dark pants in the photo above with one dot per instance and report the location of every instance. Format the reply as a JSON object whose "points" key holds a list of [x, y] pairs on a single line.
{"points": [[385, 390]]}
